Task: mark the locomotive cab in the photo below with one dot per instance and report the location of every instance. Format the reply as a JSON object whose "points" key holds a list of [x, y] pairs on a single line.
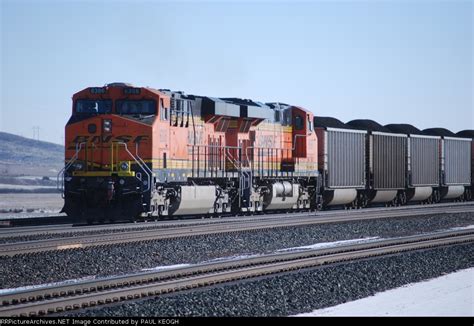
{"points": [[107, 173]]}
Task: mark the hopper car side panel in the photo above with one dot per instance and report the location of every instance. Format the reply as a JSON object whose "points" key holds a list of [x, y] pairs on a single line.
{"points": [[457, 155], [342, 157], [424, 162], [388, 156]]}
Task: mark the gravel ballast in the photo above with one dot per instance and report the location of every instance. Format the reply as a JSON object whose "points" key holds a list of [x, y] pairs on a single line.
{"points": [[127, 258], [304, 291]]}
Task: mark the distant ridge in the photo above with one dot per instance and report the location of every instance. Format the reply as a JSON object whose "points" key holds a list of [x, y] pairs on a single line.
{"points": [[20, 150]]}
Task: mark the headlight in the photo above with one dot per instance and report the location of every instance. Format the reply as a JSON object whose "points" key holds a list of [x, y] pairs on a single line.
{"points": [[107, 125], [68, 179], [124, 166], [78, 166], [122, 181]]}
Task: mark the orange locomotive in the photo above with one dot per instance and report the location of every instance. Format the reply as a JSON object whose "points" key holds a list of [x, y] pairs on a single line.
{"points": [[137, 152]]}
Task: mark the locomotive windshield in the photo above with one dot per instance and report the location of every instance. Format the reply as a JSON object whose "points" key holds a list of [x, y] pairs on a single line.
{"points": [[93, 106], [145, 107]]}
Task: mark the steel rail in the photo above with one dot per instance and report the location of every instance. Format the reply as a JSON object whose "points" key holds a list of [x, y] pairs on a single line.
{"points": [[95, 240], [58, 298]]}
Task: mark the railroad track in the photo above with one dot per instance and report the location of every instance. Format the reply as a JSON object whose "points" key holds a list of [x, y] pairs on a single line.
{"points": [[59, 298], [58, 229], [34, 221], [95, 240], [6, 232]]}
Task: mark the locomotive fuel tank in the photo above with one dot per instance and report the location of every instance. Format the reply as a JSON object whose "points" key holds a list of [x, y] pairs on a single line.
{"points": [[283, 195]]}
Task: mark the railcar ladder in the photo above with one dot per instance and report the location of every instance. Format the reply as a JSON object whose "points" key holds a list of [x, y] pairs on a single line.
{"points": [[245, 178]]}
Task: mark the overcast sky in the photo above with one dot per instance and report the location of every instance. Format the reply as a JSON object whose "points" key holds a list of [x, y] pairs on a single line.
{"points": [[390, 61]]}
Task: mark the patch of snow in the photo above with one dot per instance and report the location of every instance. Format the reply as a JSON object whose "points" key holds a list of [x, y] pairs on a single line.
{"points": [[30, 287], [26, 187], [162, 268], [462, 228], [323, 245], [28, 177], [77, 280], [448, 295], [231, 258]]}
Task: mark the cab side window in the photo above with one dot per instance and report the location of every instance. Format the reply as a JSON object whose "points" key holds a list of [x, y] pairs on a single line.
{"points": [[310, 124], [163, 111], [299, 123]]}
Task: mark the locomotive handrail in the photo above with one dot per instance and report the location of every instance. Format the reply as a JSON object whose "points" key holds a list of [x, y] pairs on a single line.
{"points": [[66, 167], [232, 159], [246, 181], [272, 148], [141, 160], [282, 149], [294, 142], [245, 174], [260, 147], [217, 146], [139, 164]]}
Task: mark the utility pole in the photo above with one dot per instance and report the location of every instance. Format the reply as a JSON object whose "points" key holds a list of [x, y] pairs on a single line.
{"points": [[36, 132]]}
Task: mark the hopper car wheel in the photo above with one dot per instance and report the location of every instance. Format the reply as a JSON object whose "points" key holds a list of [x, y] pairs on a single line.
{"points": [[362, 201], [436, 196], [353, 204], [429, 200], [402, 198]]}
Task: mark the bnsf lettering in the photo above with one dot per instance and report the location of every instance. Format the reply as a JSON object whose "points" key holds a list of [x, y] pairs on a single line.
{"points": [[266, 141], [99, 139], [123, 138], [107, 139]]}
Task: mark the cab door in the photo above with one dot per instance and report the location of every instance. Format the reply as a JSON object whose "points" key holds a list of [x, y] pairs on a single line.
{"points": [[299, 132]]}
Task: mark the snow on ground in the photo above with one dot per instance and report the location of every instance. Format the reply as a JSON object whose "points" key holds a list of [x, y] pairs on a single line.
{"points": [[40, 204], [448, 295], [163, 268], [323, 245], [462, 228], [30, 287], [230, 258], [25, 187]]}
